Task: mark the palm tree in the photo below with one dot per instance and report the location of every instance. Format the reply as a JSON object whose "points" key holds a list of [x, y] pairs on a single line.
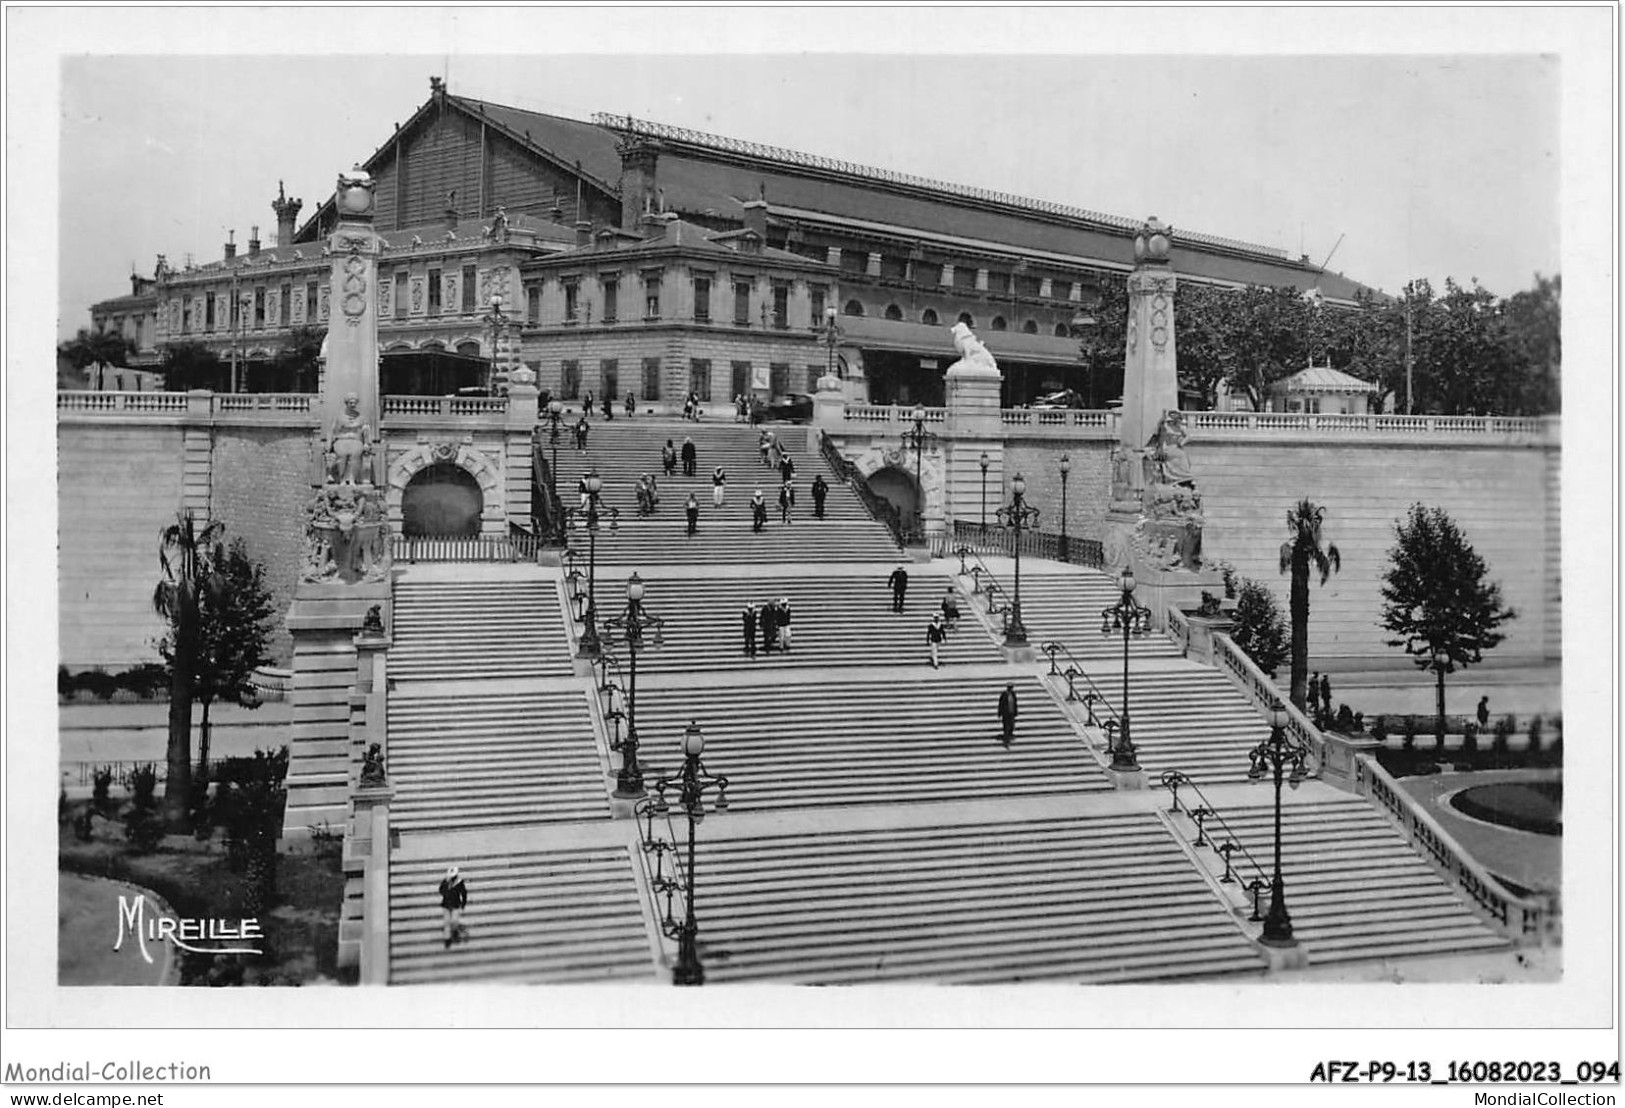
{"points": [[96, 348], [1303, 550], [185, 558]]}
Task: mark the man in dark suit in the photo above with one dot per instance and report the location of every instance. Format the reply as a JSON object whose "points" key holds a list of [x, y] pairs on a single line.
{"points": [[1007, 711], [750, 630], [899, 585]]}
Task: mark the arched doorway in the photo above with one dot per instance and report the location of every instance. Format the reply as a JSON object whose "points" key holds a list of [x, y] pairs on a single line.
{"points": [[899, 488], [441, 499]]}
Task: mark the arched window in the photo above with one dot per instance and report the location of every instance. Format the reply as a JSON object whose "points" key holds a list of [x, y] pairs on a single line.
{"points": [[1060, 330], [853, 307], [929, 316], [998, 323], [894, 313], [966, 319], [469, 349], [1030, 327]]}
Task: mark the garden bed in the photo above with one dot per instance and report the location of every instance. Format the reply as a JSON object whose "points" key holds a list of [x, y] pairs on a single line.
{"points": [[1535, 806], [195, 878]]}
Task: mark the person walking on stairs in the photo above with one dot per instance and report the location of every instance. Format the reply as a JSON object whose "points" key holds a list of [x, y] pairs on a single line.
{"points": [[820, 489], [668, 459], [749, 618], [787, 500], [1007, 711], [950, 609], [689, 456], [453, 899], [719, 485], [783, 622], [609, 406], [898, 583], [770, 626], [935, 633], [693, 510], [787, 467], [758, 512], [631, 406], [581, 433], [761, 445], [586, 405]]}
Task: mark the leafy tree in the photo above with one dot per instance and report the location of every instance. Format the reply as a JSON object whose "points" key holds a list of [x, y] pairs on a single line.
{"points": [[1534, 321], [233, 636], [294, 367], [1436, 601], [1260, 630], [1299, 553], [191, 365], [1201, 331], [96, 348], [188, 576]]}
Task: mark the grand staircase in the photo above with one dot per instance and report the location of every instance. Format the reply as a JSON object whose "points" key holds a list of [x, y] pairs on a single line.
{"points": [[622, 451], [878, 828], [1103, 899]]}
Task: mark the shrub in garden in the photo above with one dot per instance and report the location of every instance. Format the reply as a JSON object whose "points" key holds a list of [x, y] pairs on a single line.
{"points": [[143, 827], [1379, 729], [1536, 734], [1469, 739], [1502, 733], [101, 786], [1408, 730]]}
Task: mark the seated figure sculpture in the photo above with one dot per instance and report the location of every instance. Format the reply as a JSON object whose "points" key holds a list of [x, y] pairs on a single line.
{"points": [[349, 441]]}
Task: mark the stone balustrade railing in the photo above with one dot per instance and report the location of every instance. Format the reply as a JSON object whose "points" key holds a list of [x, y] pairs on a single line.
{"points": [[1257, 687], [203, 403], [890, 413], [1179, 628], [1523, 919]]}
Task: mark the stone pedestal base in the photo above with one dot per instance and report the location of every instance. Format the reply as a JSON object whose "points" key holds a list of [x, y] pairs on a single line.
{"points": [[1026, 652], [1203, 628], [1132, 780], [1159, 588], [1337, 764], [1285, 957]]}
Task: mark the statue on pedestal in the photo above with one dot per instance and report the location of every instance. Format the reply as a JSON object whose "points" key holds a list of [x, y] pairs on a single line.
{"points": [[972, 354], [349, 445], [346, 535]]}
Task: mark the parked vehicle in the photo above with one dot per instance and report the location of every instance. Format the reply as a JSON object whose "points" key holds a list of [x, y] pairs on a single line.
{"points": [[1066, 398], [795, 407]]}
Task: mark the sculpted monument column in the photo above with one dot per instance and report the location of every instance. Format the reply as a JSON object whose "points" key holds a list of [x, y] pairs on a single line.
{"points": [[1154, 524], [346, 529]]}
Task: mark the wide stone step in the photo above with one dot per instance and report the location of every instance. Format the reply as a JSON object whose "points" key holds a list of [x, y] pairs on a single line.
{"points": [[542, 916]]}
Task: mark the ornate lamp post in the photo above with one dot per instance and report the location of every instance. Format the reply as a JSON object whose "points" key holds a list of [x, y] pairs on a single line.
{"points": [[832, 338], [1016, 515], [589, 515], [1132, 618], [1061, 547], [555, 416], [917, 437], [1278, 755], [691, 784], [497, 321], [633, 621], [984, 461]]}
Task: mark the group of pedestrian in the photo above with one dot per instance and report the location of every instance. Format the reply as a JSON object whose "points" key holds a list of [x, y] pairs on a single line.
{"points": [[691, 407], [773, 620], [648, 495], [741, 408], [1320, 693]]}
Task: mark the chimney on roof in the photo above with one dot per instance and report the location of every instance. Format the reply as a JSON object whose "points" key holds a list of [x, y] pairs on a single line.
{"points": [[639, 176], [231, 245], [287, 214], [756, 218], [583, 232], [254, 241]]}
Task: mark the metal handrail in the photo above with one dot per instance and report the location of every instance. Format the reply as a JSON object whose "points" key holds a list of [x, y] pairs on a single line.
{"points": [[1074, 669], [991, 588], [1173, 781], [879, 508]]}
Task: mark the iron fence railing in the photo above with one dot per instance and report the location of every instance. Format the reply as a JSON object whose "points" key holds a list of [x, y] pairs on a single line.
{"points": [[1094, 701], [1204, 814], [903, 532], [461, 548], [991, 538]]}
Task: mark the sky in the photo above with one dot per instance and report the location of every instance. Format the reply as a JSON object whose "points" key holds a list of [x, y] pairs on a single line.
{"points": [[1434, 165]]}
